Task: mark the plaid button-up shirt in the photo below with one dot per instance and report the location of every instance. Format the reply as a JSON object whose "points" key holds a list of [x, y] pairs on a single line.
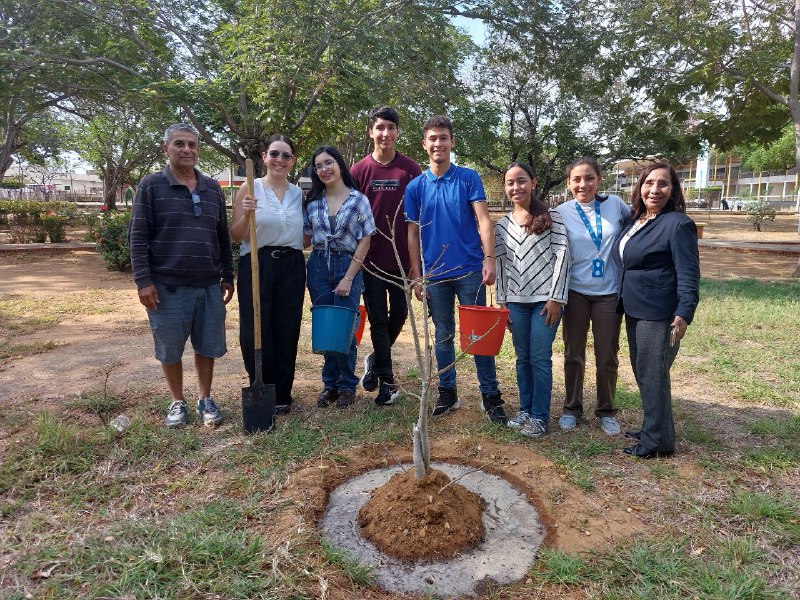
{"points": [[354, 221]]}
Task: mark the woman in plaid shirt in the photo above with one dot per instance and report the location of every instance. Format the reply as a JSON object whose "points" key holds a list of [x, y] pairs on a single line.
{"points": [[338, 223]]}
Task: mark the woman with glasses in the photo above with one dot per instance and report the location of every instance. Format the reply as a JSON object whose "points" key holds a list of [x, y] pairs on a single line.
{"points": [[278, 207], [338, 224]]}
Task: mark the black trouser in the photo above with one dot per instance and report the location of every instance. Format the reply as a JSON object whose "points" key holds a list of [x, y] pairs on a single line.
{"points": [[387, 311], [282, 279], [651, 359]]}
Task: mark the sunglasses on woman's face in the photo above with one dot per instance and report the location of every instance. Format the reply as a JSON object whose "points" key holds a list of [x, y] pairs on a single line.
{"points": [[284, 155]]}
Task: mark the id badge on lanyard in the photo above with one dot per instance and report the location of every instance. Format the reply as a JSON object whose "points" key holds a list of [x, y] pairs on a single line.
{"points": [[598, 264]]}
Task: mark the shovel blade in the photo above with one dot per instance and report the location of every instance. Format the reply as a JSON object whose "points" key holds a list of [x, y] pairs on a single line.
{"points": [[258, 407]]}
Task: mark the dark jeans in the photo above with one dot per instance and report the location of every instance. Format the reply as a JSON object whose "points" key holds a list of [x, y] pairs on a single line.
{"points": [[324, 273], [387, 311], [281, 279], [651, 359], [443, 293], [601, 312]]}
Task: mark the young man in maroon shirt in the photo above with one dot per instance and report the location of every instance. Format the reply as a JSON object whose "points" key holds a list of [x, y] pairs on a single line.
{"points": [[383, 176]]}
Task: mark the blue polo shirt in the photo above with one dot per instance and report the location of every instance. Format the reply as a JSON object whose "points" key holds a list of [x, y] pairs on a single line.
{"points": [[451, 244]]}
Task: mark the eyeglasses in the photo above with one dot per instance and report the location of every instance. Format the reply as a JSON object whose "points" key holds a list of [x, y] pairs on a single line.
{"points": [[196, 208], [324, 165], [284, 155]]}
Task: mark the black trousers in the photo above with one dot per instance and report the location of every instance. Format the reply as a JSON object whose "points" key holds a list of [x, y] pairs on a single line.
{"points": [[282, 279], [651, 359], [387, 311]]}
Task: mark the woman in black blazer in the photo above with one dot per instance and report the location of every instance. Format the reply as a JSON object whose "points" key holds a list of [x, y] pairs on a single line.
{"points": [[659, 274]]}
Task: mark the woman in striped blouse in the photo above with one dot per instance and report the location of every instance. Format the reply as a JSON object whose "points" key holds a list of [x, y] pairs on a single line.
{"points": [[532, 275]]}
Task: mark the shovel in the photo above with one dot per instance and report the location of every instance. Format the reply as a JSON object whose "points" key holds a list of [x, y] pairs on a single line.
{"points": [[258, 400]]}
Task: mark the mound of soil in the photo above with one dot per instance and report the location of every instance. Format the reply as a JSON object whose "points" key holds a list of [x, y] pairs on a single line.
{"points": [[412, 518]]}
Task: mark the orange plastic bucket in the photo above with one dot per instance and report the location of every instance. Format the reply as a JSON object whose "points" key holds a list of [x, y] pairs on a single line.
{"points": [[362, 318], [483, 327]]}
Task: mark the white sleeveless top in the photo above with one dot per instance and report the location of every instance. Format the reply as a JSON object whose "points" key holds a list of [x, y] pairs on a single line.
{"points": [[277, 223]]}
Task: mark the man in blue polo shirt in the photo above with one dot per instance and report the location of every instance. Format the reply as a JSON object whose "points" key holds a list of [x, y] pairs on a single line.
{"points": [[446, 209]]}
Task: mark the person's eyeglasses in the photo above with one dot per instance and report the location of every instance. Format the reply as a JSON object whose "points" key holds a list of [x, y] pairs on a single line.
{"points": [[196, 208], [284, 155], [324, 165]]}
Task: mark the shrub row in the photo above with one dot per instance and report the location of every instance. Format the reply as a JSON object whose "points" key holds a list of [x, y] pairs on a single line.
{"points": [[32, 221]]}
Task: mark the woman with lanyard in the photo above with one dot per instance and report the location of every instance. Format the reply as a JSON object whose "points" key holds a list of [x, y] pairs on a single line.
{"points": [[278, 207], [593, 222], [338, 223]]}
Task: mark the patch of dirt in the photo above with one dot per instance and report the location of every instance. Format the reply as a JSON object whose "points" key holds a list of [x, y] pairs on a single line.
{"points": [[575, 521], [429, 518], [734, 226]]}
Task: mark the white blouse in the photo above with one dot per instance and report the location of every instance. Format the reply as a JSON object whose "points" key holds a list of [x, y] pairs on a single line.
{"points": [[277, 223]]}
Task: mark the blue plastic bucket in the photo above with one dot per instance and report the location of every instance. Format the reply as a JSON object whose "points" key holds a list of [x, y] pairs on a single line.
{"points": [[332, 328]]}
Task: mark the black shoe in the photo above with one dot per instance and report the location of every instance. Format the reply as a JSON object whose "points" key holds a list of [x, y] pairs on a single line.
{"points": [[282, 409], [327, 396], [345, 398], [640, 451], [387, 394], [493, 405], [370, 379], [633, 434], [448, 400]]}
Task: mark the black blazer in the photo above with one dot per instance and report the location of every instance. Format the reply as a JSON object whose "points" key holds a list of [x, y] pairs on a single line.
{"points": [[659, 276]]}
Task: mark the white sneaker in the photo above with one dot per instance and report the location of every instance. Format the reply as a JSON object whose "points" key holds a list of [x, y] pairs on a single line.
{"points": [[610, 425], [518, 421], [209, 411], [176, 415], [568, 422]]}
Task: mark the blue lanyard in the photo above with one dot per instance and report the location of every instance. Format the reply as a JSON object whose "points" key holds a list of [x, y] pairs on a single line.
{"points": [[597, 238]]}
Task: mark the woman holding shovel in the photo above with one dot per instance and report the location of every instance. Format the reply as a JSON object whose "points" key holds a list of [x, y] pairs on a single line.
{"points": [[278, 207], [338, 223]]}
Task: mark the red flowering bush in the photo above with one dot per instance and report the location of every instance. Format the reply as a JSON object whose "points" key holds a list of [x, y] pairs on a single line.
{"points": [[111, 235]]}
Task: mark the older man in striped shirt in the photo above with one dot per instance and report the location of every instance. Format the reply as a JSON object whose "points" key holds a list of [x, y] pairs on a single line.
{"points": [[182, 264]]}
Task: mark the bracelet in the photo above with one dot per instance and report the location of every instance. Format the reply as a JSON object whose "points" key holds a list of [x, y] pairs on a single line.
{"points": [[358, 260], [488, 256], [350, 279]]}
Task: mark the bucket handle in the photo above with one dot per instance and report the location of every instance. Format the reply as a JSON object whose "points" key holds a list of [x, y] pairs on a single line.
{"points": [[488, 289]]}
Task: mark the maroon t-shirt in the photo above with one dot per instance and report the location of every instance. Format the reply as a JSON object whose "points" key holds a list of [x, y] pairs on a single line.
{"points": [[384, 185]]}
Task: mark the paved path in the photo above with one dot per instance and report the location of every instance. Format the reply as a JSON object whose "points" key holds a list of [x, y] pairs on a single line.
{"points": [[789, 249]]}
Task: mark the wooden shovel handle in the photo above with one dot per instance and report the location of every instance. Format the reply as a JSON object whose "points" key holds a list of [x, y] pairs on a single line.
{"points": [[254, 261]]}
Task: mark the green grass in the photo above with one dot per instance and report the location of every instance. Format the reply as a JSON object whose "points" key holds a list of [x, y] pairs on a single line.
{"points": [[664, 569], [22, 350], [772, 516], [572, 457], [200, 553], [299, 439], [744, 338], [558, 567], [357, 572]]}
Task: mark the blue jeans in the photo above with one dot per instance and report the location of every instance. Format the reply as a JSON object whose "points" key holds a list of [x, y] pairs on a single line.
{"points": [[533, 343], [324, 273], [441, 303]]}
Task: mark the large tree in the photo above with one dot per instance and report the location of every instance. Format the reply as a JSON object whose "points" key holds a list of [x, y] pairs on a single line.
{"points": [[241, 70], [122, 143], [693, 58], [32, 82], [551, 73]]}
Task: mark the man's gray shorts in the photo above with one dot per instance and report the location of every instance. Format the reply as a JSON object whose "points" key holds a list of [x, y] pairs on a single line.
{"points": [[183, 312]]}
